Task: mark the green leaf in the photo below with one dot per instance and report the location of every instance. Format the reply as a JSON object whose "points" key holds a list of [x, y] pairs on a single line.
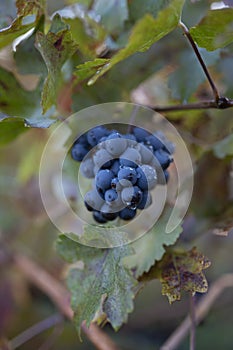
{"points": [[9, 34], [180, 271], [214, 30], [145, 33], [10, 128], [87, 69], [56, 47], [104, 288], [28, 14], [17, 102], [224, 147], [150, 247], [184, 81]]}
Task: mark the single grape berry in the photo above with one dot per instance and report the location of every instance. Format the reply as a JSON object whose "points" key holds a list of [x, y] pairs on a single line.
{"points": [[115, 144], [145, 201], [102, 158], [98, 216], [131, 158], [103, 179], [78, 152], [115, 167], [146, 153], [93, 200], [140, 134], [147, 177], [127, 214], [163, 157], [94, 135], [110, 195], [131, 196], [108, 212], [154, 141], [87, 168], [115, 184], [126, 175]]}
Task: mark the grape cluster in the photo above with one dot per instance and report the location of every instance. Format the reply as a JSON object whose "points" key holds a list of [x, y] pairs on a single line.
{"points": [[125, 167]]}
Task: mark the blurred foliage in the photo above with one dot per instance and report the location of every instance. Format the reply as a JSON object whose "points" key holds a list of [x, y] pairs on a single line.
{"points": [[129, 51]]}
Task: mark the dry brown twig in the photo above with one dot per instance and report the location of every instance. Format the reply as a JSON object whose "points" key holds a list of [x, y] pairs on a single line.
{"points": [[61, 298], [201, 311]]}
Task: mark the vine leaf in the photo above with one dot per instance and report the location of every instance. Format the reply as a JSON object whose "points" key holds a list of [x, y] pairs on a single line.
{"points": [[55, 47], [87, 69], [17, 102], [22, 23], [224, 147], [104, 288], [146, 32], [214, 30], [150, 247], [180, 271]]}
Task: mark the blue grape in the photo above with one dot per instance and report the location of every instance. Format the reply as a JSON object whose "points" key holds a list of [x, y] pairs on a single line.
{"points": [[115, 167], [102, 158], [87, 168], [147, 177], [145, 201], [104, 178], [93, 199], [140, 134], [78, 152], [110, 195], [126, 175], [98, 216], [130, 158], [154, 141], [163, 158], [115, 184], [95, 134], [127, 214], [108, 212], [146, 153], [131, 196], [115, 144]]}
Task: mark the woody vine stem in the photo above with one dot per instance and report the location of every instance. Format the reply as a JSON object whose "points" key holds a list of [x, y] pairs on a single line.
{"points": [[218, 102]]}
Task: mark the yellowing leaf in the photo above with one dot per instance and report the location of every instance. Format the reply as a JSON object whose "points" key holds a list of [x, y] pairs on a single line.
{"points": [[180, 271]]}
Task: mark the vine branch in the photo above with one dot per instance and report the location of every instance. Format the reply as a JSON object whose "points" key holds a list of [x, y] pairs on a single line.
{"points": [[219, 102], [200, 59]]}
